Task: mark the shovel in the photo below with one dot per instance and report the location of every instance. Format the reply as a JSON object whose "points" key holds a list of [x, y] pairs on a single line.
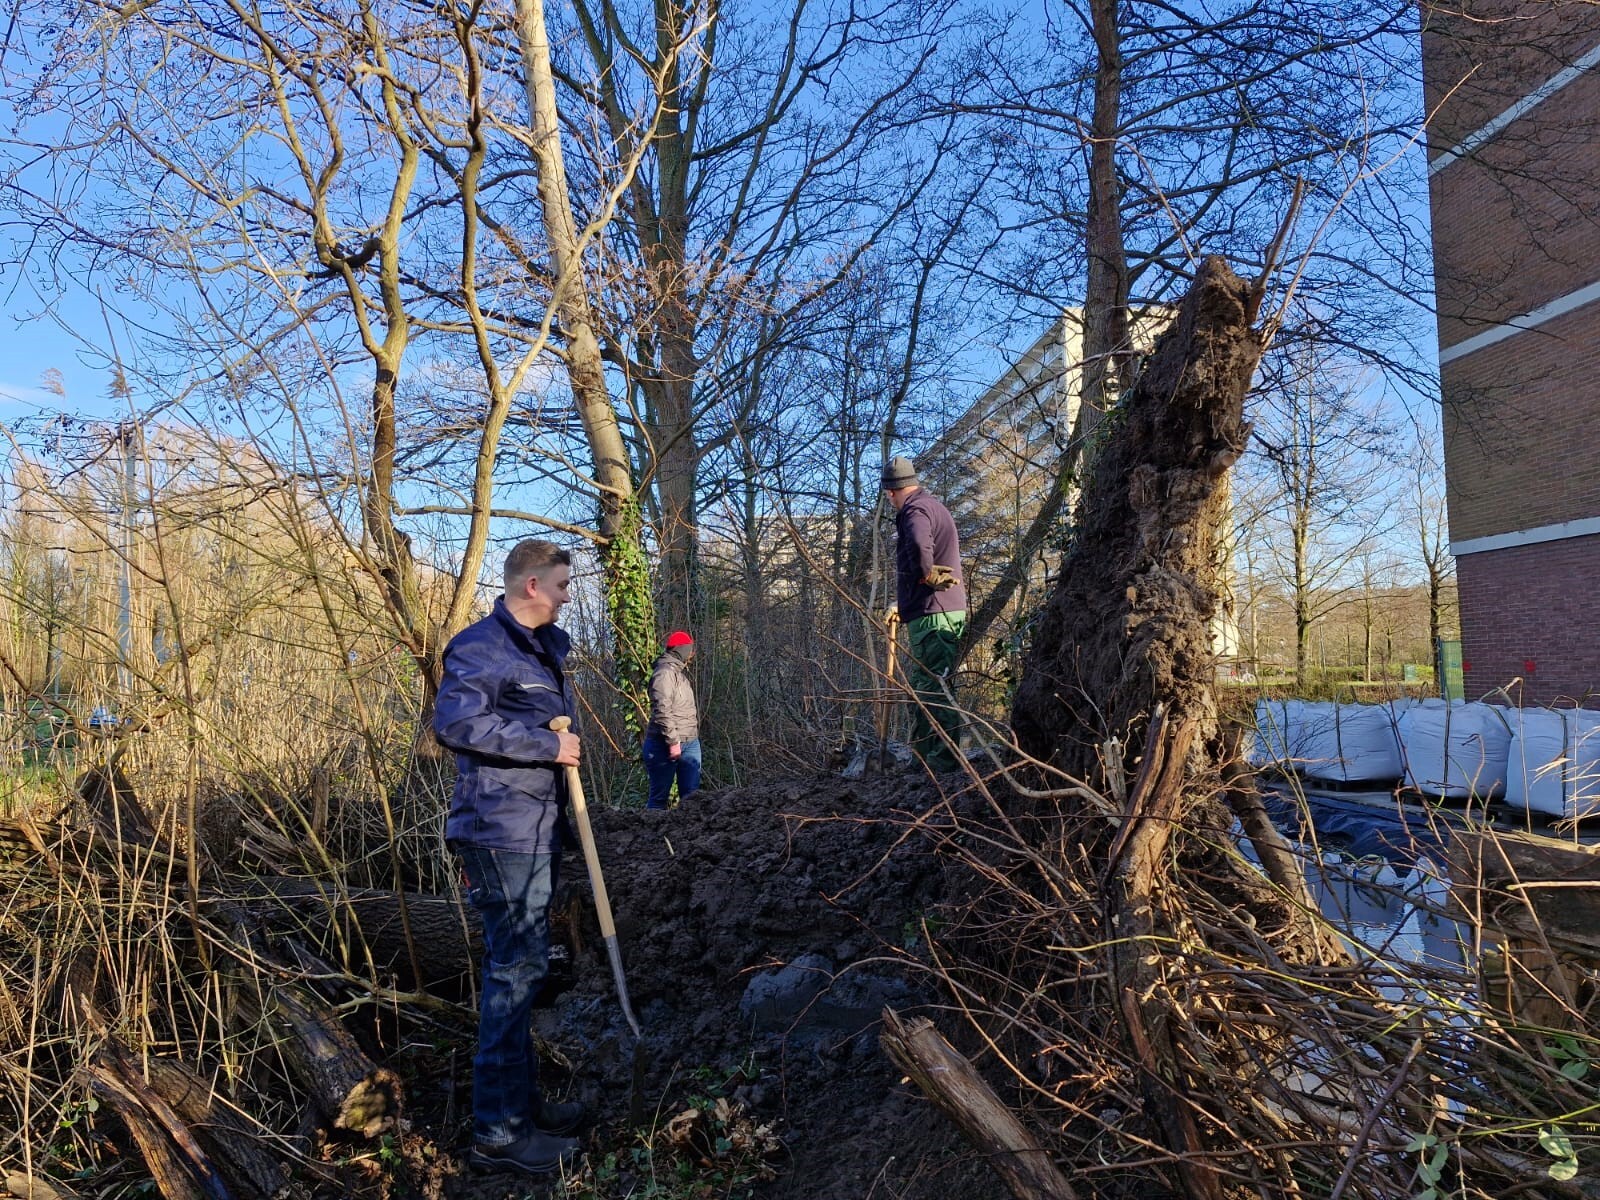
{"points": [[608, 928], [886, 712], [602, 902]]}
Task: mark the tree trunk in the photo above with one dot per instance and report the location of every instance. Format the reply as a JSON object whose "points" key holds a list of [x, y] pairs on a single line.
{"points": [[1128, 625], [1122, 655], [1106, 345], [1435, 613], [632, 615], [1366, 644], [1134, 870]]}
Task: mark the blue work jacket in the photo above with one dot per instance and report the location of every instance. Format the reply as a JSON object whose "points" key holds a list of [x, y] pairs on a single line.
{"points": [[503, 685]]}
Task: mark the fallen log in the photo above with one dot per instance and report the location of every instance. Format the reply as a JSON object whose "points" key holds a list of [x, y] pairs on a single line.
{"points": [[951, 1082], [176, 1161], [232, 1141], [351, 1092], [448, 935]]}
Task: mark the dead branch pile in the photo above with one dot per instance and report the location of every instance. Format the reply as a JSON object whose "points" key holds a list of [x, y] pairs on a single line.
{"points": [[214, 1026], [1179, 1019]]}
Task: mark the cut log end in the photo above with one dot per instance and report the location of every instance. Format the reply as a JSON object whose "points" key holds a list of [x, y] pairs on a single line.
{"points": [[373, 1106]]}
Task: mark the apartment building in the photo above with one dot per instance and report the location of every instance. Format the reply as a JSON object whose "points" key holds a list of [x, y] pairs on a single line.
{"points": [[1513, 95]]}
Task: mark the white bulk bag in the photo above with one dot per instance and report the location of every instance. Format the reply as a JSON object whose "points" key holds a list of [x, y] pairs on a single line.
{"points": [[1266, 745], [1583, 764], [1314, 746], [1455, 750], [1277, 722], [1365, 745], [1537, 775]]}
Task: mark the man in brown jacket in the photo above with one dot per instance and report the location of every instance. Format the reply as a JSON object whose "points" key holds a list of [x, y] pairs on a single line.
{"points": [[672, 740], [931, 598]]}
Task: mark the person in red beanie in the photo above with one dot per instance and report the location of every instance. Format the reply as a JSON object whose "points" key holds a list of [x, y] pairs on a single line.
{"points": [[672, 739]]}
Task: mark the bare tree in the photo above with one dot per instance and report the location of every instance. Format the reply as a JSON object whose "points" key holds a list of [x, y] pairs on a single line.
{"points": [[343, 195], [1426, 517], [1320, 446], [778, 159], [1196, 129]]}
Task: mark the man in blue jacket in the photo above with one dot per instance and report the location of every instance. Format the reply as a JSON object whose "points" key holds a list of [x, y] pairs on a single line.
{"points": [[932, 604], [504, 682]]}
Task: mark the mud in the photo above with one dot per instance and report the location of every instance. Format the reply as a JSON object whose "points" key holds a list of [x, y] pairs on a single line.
{"points": [[762, 931]]}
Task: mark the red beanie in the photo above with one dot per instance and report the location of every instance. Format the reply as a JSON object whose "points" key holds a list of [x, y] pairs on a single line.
{"points": [[678, 638]]}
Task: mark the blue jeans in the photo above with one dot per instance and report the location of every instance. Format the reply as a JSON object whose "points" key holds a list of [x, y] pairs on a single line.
{"points": [[662, 769], [512, 894]]}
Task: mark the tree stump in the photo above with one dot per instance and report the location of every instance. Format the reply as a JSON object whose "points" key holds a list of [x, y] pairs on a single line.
{"points": [[1128, 625]]}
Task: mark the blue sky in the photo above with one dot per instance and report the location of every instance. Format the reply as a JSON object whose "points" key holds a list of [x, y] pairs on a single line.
{"points": [[49, 320]]}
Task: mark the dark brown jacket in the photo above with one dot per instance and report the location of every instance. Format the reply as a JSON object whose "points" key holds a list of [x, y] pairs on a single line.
{"points": [[926, 536]]}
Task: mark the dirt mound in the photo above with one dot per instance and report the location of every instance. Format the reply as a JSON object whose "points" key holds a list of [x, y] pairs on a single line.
{"points": [[762, 930]]}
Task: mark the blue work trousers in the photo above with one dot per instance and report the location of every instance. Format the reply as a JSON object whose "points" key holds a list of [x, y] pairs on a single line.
{"points": [[512, 893]]}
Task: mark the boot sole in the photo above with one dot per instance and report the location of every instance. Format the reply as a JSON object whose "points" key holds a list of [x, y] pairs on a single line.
{"points": [[479, 1161]]}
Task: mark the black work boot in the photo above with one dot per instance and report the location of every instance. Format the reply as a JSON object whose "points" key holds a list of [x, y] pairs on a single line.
{"points": [[536, 1154], [552, 1116]]}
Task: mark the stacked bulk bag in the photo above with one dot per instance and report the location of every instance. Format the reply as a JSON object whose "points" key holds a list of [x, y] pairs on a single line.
{"points": [[1536, 777], [1277, 731], [1583, 764], [1316, 739], [1359, 744], [1456, 750], [1555, 763], [1345, 742]]}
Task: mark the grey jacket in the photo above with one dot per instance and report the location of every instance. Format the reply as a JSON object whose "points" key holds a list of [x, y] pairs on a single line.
{"points": [[673, 717]]}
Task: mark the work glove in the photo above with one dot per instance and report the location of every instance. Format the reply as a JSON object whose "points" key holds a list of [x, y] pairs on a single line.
{"points": [[939, 578]]}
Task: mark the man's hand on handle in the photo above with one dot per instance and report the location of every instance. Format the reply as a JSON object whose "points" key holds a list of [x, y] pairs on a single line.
{"points": [[570, 747]]}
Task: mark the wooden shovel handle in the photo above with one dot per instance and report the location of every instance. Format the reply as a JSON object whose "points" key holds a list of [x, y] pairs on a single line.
{"points": [[591, 856]]}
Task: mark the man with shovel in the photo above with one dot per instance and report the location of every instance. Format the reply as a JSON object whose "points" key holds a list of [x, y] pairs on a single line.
{"points": [[504, 683], [931, 601]]}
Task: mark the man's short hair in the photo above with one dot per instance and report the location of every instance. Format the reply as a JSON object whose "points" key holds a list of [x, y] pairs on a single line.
{"points": [[533, 556]]}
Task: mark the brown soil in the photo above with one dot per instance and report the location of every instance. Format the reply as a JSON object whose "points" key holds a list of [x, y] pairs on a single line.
{"points": [[820, 874]]}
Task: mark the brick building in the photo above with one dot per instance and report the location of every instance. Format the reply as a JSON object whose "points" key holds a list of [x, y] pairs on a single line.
{"points": [[1513, 94]]}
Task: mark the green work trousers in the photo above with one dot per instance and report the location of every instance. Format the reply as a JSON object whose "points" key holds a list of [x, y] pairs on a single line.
{"points": [[935, 639]]}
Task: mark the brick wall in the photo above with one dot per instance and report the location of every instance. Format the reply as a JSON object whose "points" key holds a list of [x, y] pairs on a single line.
{"points": [[1516, 224], [1522, 429], [1479, 57], [1536, 605]]}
